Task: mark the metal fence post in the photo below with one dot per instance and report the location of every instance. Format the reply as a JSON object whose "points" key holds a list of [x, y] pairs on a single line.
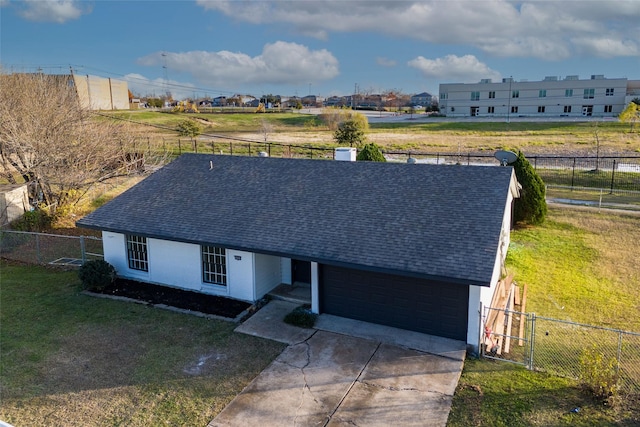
{"points": [[573, 172], [613, 174], [532, 339], [83, 250]]}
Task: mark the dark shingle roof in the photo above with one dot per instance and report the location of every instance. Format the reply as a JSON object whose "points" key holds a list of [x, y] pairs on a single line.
{"points": [[440, 222]]}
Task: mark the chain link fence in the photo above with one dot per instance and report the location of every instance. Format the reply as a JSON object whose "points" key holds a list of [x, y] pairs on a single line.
{"points": [[55, 249], [562, 347]]}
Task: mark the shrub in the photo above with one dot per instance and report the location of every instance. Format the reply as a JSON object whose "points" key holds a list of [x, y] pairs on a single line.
{"points": [[188, 128], [35, 220], [599, 374], [96, 274], [349, 132], [371, 153], [531, 206], [302, 317]]}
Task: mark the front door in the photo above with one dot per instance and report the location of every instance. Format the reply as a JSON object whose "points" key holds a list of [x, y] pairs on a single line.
{"points": [[301, 271]]}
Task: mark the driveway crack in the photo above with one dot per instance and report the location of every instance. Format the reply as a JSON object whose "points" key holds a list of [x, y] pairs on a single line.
{"points": [[305, 386]]}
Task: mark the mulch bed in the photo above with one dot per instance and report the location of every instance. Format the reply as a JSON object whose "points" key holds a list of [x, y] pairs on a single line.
{"points": [[187, 300]]}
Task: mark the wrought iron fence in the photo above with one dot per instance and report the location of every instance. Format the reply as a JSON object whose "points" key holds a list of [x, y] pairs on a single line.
{"points": [[55, 249], [562, 347]]}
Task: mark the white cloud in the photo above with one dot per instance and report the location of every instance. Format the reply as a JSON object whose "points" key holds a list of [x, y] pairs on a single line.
{"points": [[58, 11], [385, 62], [465, 68], [279, 63], [554, 29]]}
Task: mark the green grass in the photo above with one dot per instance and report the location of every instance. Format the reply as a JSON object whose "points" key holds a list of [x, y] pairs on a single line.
{"points": [[498, 394], [579, 259], [579, 266], [70, 359]]}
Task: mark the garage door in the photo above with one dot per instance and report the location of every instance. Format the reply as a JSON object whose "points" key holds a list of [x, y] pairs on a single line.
{"points": [[402, 302]]}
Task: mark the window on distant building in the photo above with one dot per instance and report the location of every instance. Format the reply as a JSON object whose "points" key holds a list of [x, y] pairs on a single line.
{"points": [[608, 108], [542, 93], [214, 265], [567, 108], [541, 109], [514, 108], [491, 110], [475, 96], [137, 253], [444, 96], [568, 93], [609, 92], [515, 94], [589, 93], [492, 94]]}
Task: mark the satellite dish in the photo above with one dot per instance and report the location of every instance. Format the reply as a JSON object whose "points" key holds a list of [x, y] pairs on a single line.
{"points": [[505, 157]]}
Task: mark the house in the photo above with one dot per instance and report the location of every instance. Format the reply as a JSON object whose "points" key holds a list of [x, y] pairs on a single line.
{"points": [[423, 99], [414, 246]]}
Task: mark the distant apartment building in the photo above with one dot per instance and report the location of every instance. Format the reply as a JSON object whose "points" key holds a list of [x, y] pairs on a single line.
{"points": [[552, 97]]}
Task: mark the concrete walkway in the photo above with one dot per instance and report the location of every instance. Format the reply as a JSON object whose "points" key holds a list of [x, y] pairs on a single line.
{"points": [[332, 377]]}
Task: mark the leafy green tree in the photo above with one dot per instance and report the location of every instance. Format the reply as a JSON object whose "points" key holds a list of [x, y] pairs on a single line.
{"points": [[531, 206], [350, 132], [631, 114], [188, 128], [370, 153]]}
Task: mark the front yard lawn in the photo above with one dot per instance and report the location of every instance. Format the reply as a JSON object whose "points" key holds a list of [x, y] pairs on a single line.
{"points": [[73, 360]]}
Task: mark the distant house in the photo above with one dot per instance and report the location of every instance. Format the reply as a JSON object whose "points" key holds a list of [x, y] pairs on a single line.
{"points": [[423, 99], [414, 246], [219, 101]]}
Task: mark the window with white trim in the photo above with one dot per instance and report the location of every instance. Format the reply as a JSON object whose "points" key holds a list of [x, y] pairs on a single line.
{"points": [[492, 94], [542, 93], [541, 109], [608, 108], [214, 265], [568, 93], [515, 94], [491, 110], [137, 252], [514, 108], [609, 91], [475, 96], [589, 93], [567, 108]]}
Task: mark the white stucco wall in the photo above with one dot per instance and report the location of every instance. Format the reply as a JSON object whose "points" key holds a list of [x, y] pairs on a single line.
{"points": [[285, 270], [267, 274], [175, 264], [178, 265], [240, 275]]}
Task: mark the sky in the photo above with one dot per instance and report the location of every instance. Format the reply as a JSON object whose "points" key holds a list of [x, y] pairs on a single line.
{"points": [[318, 47]]}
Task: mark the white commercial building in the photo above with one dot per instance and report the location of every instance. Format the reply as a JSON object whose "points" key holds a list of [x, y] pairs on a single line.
{"points": [[552, 97]]}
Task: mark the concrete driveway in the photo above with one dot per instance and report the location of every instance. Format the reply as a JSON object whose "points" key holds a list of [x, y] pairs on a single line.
{"points": [[346, 372]]}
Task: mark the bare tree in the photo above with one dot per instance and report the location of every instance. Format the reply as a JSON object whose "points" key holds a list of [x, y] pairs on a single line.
{"points": [[51, 142]]}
